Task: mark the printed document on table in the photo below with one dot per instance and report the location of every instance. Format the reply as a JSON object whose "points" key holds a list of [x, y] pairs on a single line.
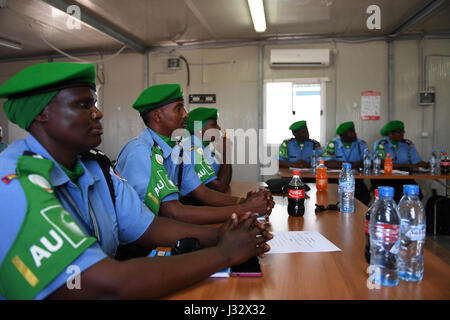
{"points": [[300, 241]]}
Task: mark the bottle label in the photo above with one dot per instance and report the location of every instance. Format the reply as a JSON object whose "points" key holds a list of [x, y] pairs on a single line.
{"points": [[296, 194], [388, 233], [415, 233], [322, 182], [367, 226], [445, 163]]}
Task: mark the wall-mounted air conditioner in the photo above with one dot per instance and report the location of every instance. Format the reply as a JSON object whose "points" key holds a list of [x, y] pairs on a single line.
{"points": [[299, 57]]}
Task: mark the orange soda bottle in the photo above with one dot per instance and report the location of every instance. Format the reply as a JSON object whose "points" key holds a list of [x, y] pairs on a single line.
{"points": [[388, 164], [321, 177]]}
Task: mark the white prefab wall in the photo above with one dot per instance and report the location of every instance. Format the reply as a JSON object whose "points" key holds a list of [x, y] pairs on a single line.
{"points": [[232, 74]]}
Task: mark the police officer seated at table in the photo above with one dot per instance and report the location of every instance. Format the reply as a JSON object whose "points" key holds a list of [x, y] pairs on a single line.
{"points": [[208, 155], [67, 211], [296, 152], [153, 164], [348, 148], [403, 153]]}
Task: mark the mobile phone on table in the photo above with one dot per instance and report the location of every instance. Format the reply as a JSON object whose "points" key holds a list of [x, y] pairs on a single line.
{"points": [[250, 268]]}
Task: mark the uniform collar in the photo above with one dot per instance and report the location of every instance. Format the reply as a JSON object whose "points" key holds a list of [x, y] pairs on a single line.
{"points": [[152, 137], [340, 144], [57, 176]]}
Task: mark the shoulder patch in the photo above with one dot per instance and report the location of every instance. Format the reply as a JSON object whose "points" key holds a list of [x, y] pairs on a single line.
{"points": [[408, 142], [9, 177]]}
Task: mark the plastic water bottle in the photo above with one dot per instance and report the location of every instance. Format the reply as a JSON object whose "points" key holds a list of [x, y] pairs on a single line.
{"points": [[367, 162], [384, 240], [296, 196], [314, 162], [433, 162], [376, 164], [367, 233], [412, 234], [388, 164], [321, 177], [346, 189]]}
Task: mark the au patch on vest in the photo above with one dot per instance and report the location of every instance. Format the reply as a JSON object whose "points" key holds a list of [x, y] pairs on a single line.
{"points": [[62, 221]]}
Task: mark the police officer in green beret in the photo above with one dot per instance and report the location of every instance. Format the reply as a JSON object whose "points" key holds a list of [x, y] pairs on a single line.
{"points": [[296, 152], [67, 210], [208, 155], [403, 153], [347, 147], [153, 164]]}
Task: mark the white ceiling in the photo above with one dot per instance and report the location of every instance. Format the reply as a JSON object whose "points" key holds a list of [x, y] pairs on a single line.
{"points": [[38, 26]]}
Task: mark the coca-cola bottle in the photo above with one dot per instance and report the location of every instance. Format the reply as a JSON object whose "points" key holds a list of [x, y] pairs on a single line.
{"points": [[296, 196], [445, 163], [368, 213]]}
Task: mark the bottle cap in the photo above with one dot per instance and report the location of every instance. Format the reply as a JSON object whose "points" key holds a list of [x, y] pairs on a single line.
{"points": [[411, 189], [376, 193], [322, 162], [347, 165], [386, 191], [296, 172], [388, 155]]}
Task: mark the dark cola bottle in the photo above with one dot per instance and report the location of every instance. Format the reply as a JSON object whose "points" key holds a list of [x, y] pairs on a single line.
{"points": [[296, 196], [368, 213]]}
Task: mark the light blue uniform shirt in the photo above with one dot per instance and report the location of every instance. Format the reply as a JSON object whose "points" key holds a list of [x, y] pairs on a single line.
{"points": [[405, 153], [295, 152], [121, 224], [354, 154], [134, 164], [190, 158]]}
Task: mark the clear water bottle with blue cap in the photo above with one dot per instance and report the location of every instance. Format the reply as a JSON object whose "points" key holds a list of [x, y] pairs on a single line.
{"points": [[367, 162], [412, 234], [384, 240], [433, 162], [376, 164], [346, 189], [314, 161]]}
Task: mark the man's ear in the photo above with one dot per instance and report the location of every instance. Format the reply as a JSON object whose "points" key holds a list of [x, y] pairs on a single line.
{"points": [[155, 115], [43, 116]]}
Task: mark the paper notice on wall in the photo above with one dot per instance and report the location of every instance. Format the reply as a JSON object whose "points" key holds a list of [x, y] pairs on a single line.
{"points": [[370, 105]]}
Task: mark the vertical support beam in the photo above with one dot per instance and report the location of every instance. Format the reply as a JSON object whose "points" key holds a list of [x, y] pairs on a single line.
{"points": [[146, 70], [261, 49], [390, 80]]}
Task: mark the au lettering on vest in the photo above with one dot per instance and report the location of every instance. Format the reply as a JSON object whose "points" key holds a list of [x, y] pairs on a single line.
{"points": [[159, 185], [49, 239]]}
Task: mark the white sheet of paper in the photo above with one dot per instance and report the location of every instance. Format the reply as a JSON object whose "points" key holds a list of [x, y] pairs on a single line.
{"points": [[300, 241]]}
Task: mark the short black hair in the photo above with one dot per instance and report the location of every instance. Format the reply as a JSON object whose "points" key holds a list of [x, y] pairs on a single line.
{"points": [[145, 116]]}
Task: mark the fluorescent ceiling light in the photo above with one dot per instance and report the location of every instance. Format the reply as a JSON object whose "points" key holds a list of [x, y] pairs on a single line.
{"points": [[10, 44], [257, 12]]}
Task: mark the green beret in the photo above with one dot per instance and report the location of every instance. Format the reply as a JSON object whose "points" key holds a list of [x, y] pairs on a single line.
{"points": [[32, 89], [390, 126], [297, 125], [201, 114], [344, 127], [157, 96]]}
